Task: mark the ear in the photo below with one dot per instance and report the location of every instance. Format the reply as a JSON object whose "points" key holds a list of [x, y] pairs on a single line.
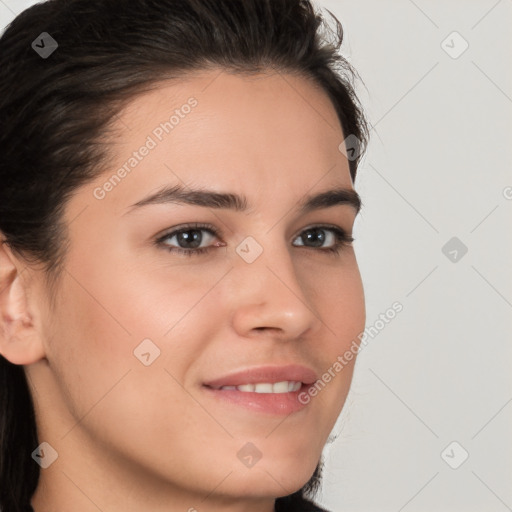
{"points": [[20, 341]]}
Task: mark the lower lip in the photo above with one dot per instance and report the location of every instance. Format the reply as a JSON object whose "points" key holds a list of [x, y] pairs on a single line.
{"points": [[269, 403]]}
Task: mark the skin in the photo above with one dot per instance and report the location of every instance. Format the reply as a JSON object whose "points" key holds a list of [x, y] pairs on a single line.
{"points": [[131, 437]]}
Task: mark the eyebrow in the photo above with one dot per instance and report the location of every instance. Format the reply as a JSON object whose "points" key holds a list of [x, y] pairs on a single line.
{"points": [[239, 203]]}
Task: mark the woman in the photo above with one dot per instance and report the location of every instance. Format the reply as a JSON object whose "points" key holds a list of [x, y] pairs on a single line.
{"points": [[177, 280]]}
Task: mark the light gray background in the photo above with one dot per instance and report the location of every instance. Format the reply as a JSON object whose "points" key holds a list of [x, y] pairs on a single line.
{"points": [[438, 167], [439, 160]]}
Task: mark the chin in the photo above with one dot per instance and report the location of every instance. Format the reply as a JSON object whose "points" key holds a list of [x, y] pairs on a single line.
{"points": [[273, 478]]}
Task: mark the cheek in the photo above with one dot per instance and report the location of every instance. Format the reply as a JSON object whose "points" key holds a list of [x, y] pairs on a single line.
{"points": [[141, 319], [338, 296], [104, 384], [90, 343], [340, 303]]}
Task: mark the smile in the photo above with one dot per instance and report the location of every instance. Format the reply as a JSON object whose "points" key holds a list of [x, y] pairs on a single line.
{"points": [[284, 386]]}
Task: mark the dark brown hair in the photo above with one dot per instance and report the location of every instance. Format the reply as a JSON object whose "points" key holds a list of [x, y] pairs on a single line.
{"points": [[56, 113]]}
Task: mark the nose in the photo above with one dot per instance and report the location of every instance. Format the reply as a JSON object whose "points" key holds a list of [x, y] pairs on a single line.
{"points": [[270, 295]]}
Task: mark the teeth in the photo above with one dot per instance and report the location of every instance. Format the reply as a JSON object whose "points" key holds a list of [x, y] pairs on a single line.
{"points": [[280, 387], [284, 386], [297, 386]]}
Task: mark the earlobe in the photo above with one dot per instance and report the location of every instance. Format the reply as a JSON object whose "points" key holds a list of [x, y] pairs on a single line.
{"points": [[20, 341]]}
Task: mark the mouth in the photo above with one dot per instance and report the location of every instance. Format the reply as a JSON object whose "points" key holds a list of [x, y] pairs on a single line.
{"points": [[279, 398], [271, 389], [284, 386]]}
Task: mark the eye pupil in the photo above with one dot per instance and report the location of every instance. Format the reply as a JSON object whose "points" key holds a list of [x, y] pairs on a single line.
{"points": [[318, 238], [195, 239]]}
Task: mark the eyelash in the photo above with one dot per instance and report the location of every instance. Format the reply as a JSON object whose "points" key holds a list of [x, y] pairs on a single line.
{"points": [[342, 239]]}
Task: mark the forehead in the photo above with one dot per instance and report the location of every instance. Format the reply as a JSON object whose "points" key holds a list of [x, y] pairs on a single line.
{"points": [[237, 95], [264, 135]]}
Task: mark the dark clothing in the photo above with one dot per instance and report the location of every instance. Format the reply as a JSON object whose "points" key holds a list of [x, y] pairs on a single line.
{"points": [[294, 503]]}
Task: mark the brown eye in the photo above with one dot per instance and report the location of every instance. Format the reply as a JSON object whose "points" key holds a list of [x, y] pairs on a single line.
{"points": [[316, 236], [188, 239]]}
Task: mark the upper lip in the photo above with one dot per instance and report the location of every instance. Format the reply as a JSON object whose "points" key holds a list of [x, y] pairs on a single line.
{"points": [[271, 374]]}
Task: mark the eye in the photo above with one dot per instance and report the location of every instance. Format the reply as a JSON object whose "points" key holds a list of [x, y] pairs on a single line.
{"points": [[189, 236], [338, 237], [189, 239]]}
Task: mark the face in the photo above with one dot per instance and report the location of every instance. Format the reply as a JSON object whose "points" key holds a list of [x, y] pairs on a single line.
{"points": [[142, 322]]}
